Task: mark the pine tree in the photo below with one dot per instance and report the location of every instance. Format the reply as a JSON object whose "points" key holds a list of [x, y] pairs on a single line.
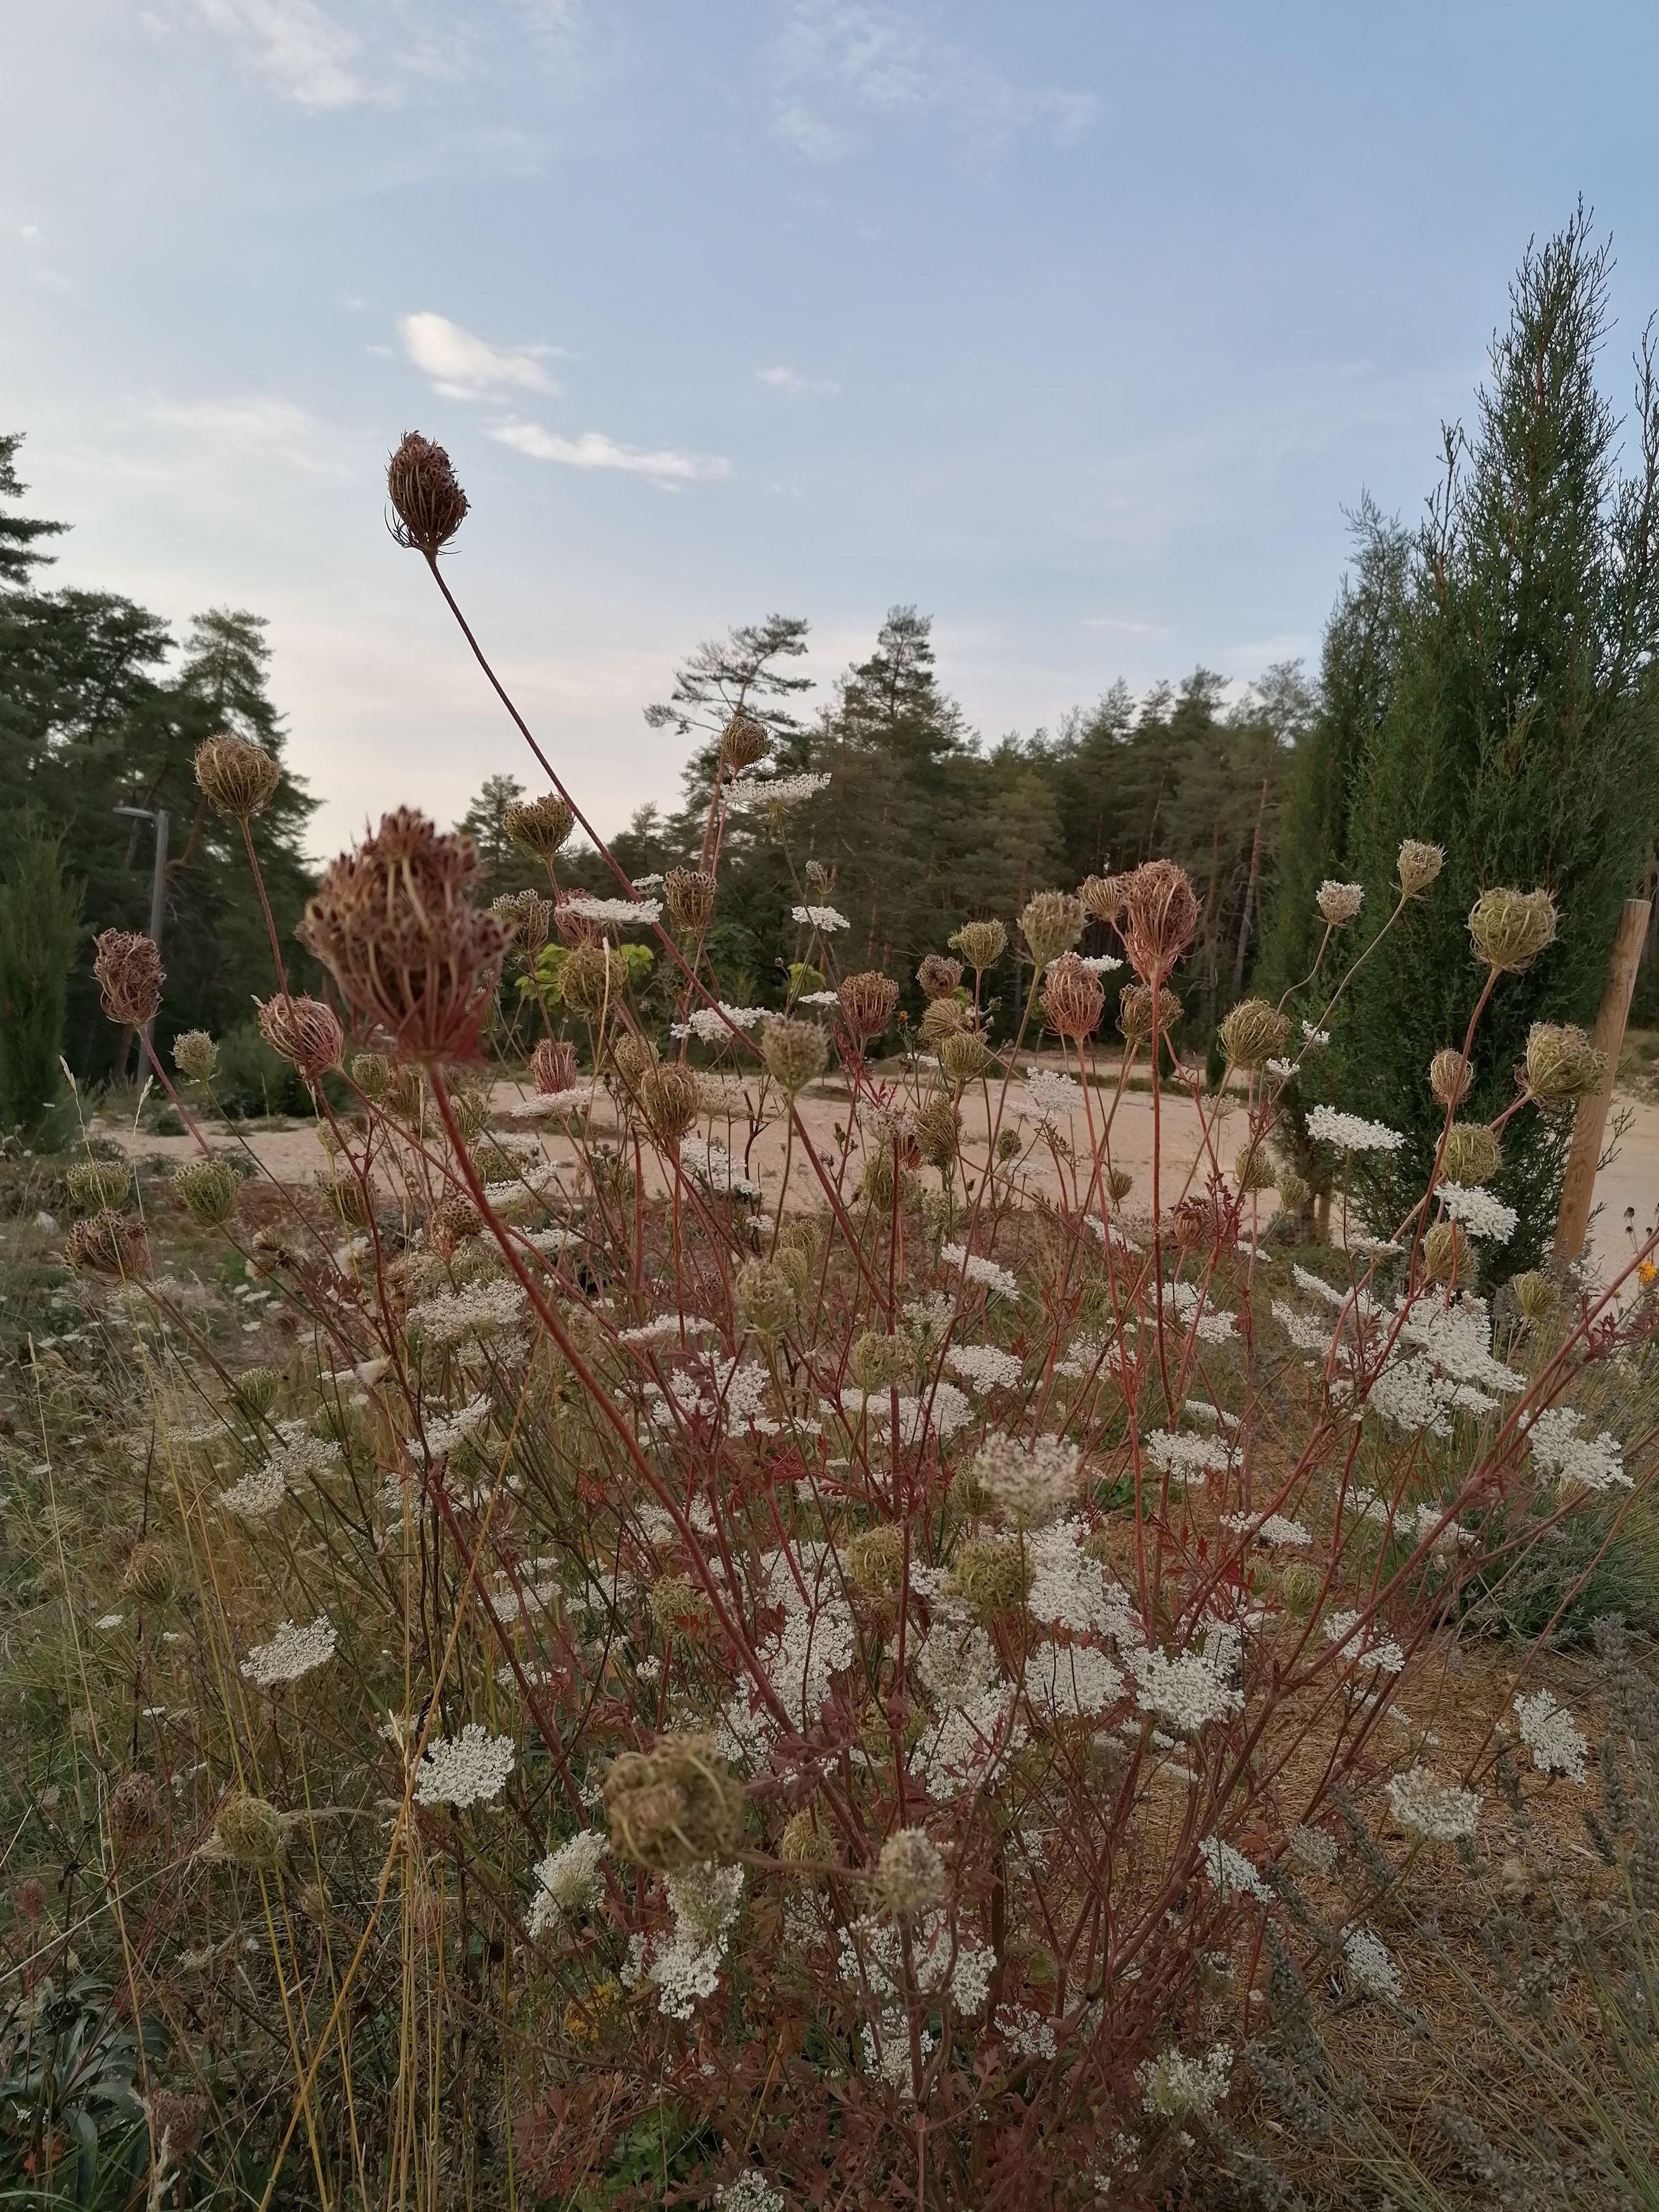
{"points": [[20, 534], [38, 933]]}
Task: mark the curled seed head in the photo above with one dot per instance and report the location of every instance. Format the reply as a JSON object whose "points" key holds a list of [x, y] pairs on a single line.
{"points": [[1254, 1031], [526, 917], [95, 1185], [593, 977], [1293, 1193], [1338, 903], [669, 1096], [1418, 865], [1119, 1182], [743, 742], [1509, 928], [196, 1056], [429, 504], [963, 1054], [539, 826], [304, 1031], [1160, 912], [134, 1811], [938, 976], [939, 1132], [209, 1189], [1472, 1154], [867, 1001], [875, 1559], [766, 1298], [238, 778], [878, 1361], [909, 1877], [1450, 1076], [1103, 897], [372, 1073], [1299, 1585], [249, 1831], [1253, 1169], [1563, 1066], [553, 1067], [109, 1244], [981, 944], [1051, 923], [1072, 1001], [130, 975], [940, 1018], [1448, 1254], [255, 1389], [1535, 1294], [675, 1806], [690, 893], [795, 1053], [993, 1574], [149, 1575], [803, 1843]]}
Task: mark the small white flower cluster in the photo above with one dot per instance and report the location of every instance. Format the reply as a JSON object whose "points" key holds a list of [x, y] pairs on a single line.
{"points": [[1357, 1637], [1228, 1870], [469, 1769], [1070, 1590], [1276, 1528], [567, 1881], [1308, 1336], [1031, 1485], [1184, 1455], [824, 919], [999, 1281], [1478, 1210], [1053, 1094], [871, 1960], [1071, 1681], [818, 999], [1312, 1848], [703, 1157], [1099, 963], [1191, 1690], [1369, 1967], [751, 790], [705, 1901], [445, 1430], [616, 911], [1591, 1463], [1177, 2087], [984, 1366], [714, 1024], [1452, 1371], [1214, 1324], [1025, 2031], [257, 1494], [1311, 1035], [661, 1325], [292, 1652], [1351, 1133], [752, 2191], [1426, 1811], [817, 1637], [476, 1309], [1547, 1730]]}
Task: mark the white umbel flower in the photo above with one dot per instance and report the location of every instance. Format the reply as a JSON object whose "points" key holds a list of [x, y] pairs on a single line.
{"points": [[1351, 1133], [1229, 1871], [1547, 1730], [1369, 1967], [824, 919], [1177, 2087], [1592, 1463], [292, 1652], [984, 1366], [999, 1281], [1429, 1813], [1479, 1210], [469, 1769], [566, 1881], [617, 911]]}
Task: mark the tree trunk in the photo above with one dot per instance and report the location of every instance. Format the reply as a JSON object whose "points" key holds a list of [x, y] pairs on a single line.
{"points": [[1251, 894]]}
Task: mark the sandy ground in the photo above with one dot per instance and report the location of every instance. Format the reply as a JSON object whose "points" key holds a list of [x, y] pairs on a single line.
{"points": [[1629, 1180]]}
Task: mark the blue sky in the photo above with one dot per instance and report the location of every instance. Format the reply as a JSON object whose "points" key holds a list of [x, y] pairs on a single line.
{"points": [[1076, 325]]}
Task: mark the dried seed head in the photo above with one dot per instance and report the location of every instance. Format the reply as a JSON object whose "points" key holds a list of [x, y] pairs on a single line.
{"points": [[1449, 1255], [1051, 923], [129, 972], [795, 1053], [939, 1132], [669, 1096], [1563, 1066], [1008, 1144], [867, 1001], [372, 1073], [149, 1575], [878, 1362], [981, 944], [909, 1877], [1072, 1001], [209, 1189], [249, 1831], [592, 977], [885, 1180], [1103, 897], [677, 1603], [940, 1018], [1509, 928], [539, 826], [134, 1812], [1134, 1012], [1254, 1031], [1160, 912], [430, 506], [109, 1244], [690, 893], [304, 1031], [238, 778], [256, 1390], [962, 1055], [804, 1844], [394, 923], [1418, 864], [1338, 903], [1472, 1154], [349, 1200], [765, 1298], [98, 1186], [631, 1053], [527, 919], [1030, 1487], [196, 1056], [993, 1574], [1299, 1585], [875, 1559], [1450, 1076], [1199, 1224], [176, 2118], [1253, 1169], [675, 1806], [1534, 1293], [1293, 1193], [553, 1067], [938, 976], [743, 742], [1119, 1183]]}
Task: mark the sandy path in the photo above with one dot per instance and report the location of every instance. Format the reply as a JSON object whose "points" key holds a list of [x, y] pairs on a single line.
{"points": [[1630, 1180]]}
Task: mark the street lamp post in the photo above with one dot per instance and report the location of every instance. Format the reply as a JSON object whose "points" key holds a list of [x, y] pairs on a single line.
{"points": [[158, 882]]}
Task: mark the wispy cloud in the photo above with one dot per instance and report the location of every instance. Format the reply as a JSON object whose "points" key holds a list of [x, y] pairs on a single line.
{"points": [[593, 449], [835, 63], [307, 54], [464, 367], [784, 379], [259, 426]]}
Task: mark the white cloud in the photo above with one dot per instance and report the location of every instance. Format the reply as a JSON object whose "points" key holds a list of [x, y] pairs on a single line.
{"points": [[784, 379], [256, 427], [464, 367], [308, 54], [592, 450]]}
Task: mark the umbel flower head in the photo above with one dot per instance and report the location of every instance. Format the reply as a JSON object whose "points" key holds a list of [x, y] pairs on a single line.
{"points": [[910, 1877], [1418, 865], [1563, 1066], [1254, 1031], [304, 1030], [96, 1184], [981, 944], [129, 972], [1450, 1076], [109, 1244], [678, 1805], [209, 1189], [690, 893], [669, 1094], [743, 742], [553, 1067], [393, 923], [1103, 897], [795, 1053], [539, 826], [867, 1000], [1051, 923], [526, 917], [1338, 903], [1472, 1154], [1160, 912], [196, 1056], [429, 504], [1509, 929], [938, 976], [1073, 1000], [237, 777]]}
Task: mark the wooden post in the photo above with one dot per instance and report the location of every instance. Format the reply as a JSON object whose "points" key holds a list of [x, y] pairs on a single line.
{"points": [[1572, 1222]]}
